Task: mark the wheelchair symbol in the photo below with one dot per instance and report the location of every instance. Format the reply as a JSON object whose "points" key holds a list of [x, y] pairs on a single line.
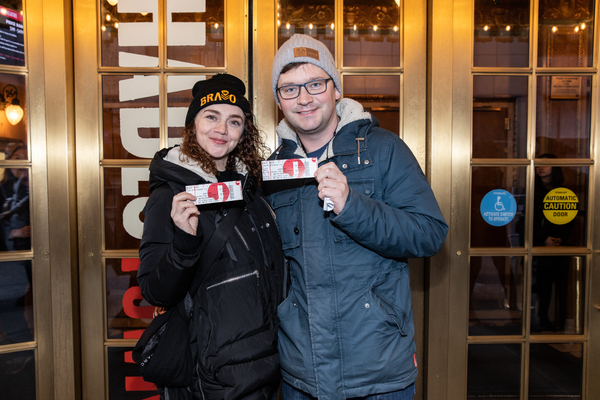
{"points": [[499, 206]]}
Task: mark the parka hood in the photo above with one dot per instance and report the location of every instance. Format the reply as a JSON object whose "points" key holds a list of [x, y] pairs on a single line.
{"points": [[348, 111], [166, 166]]}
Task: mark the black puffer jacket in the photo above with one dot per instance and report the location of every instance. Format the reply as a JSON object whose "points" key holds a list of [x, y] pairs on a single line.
{"points": [[234, 314]]}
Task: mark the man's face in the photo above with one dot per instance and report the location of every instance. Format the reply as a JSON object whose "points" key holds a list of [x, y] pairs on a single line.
{"points": [[309, 114]]}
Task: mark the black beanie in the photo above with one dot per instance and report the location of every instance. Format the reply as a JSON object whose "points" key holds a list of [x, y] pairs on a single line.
{"points": [[220, 89]]}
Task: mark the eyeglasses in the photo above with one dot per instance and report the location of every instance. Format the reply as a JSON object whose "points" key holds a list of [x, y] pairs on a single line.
{"points": [[289, 92]]}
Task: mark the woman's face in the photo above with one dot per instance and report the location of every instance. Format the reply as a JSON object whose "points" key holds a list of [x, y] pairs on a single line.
{"points": [[219, 128], [543, 171], [19, 154]]}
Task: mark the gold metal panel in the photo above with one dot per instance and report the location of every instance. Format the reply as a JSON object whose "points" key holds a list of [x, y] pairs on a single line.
{"points": [[265, 44], [592, 384], [61, 193], [444, 152], [40, 237]]}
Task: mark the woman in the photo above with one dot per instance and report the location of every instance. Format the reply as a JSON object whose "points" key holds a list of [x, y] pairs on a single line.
{"points": [[234, 323]]}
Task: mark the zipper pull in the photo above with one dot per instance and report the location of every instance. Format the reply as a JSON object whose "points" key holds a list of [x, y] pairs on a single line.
{"points": [[358, 140]]}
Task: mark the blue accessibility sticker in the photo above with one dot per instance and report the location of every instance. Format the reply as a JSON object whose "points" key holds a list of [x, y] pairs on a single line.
{"points": [[498, 207]]}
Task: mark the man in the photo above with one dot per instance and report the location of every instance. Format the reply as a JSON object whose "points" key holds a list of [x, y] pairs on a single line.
{"points": [[346, 328]]}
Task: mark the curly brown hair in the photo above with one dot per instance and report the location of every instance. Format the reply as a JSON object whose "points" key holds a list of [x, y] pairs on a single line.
{"points": [[250, 150]]}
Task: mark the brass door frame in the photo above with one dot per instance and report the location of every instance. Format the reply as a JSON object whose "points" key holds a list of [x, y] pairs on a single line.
{"points": [[412, 122], [450, 102], [88, 117], [50, 118]]}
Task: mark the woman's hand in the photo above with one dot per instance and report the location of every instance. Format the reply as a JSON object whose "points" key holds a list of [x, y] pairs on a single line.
{"points": [[552, 241], [185, 213]]}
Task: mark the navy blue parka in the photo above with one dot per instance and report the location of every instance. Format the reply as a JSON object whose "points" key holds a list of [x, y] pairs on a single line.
{"points": [[346, 327]]}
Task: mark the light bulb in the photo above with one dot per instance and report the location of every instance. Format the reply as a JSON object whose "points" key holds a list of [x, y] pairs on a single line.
{"points": [[14, 114]]}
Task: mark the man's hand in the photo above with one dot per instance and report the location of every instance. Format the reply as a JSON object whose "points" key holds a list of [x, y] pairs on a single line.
{"points": [[332, 184], [185, 213]]}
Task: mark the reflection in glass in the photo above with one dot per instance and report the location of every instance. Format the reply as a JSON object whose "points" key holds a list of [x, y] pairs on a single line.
{"points": [[501, 34], [380, 95], [126, 191], [484, 181], [195, 33], [315, 19], [124, 377], [566, 33], [128, 314], [371, 33], [179, 98], [12, 51], [558, 295], [15, 229], [129, 33], [499, 117], [494, 371], [495, 296], [13, 110], [130, 116], [16, 305], [18, 375], [564, 116], [555, 371]]}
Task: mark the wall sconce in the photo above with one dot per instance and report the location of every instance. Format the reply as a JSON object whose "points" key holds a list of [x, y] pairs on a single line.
{"points": [[11, 105], [353, 32], [287, 30], [330, 30], [310, 30], [374, 33], [216, 30]]}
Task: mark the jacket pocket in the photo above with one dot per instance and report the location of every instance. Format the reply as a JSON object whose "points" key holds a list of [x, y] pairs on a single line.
{"points": [[365, 187], [287, 209], [390, 294], [391, 314]]}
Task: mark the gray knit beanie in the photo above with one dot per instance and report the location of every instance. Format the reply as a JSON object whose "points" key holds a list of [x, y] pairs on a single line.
{"points": [[304, 49]]}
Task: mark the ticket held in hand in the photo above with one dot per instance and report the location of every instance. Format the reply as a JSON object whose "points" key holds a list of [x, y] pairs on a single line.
{"points": [[218, 192], [293, 168]]}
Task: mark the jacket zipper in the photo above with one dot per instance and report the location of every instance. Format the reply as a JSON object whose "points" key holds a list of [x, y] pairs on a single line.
{"points": [[269, 208], [242, 237], [236, 278]]}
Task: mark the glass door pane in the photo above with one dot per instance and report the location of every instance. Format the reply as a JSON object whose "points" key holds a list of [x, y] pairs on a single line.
{"points": [[530, 182]]}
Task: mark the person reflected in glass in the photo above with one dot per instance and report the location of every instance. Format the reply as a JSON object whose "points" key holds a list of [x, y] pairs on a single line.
{"points": [[16, 207], [234, 313], [15, 276], [550, 272]]}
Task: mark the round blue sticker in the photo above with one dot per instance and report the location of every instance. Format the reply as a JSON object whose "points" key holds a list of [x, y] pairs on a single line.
{"points": [[498, 207]]}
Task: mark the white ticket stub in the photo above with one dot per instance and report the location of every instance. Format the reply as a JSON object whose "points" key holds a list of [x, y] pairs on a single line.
{"points": [[219, 192], [294, 168]]}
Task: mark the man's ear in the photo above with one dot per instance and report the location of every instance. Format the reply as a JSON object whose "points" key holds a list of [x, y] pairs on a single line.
{"points": [[338, 95]]}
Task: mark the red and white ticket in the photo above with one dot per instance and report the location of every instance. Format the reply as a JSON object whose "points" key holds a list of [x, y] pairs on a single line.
{"points": [[294, 168], [219, 192]]}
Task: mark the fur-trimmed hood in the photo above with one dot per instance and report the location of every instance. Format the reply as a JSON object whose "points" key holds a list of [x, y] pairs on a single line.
{"points": [[167, 166], [347, 110]]}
